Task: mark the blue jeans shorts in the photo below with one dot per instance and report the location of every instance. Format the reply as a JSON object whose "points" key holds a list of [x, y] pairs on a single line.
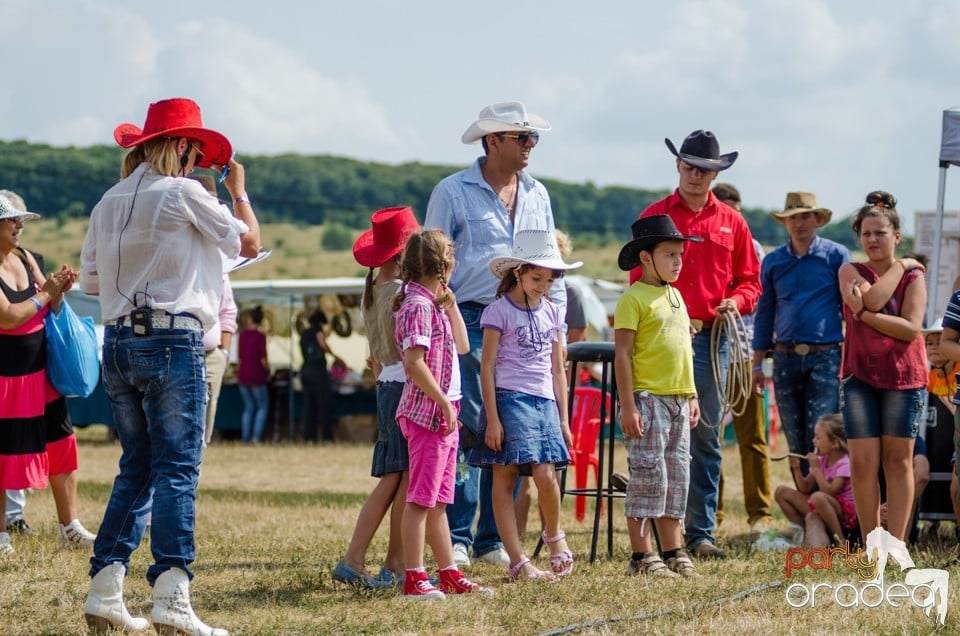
{"points": [[872, 412]]}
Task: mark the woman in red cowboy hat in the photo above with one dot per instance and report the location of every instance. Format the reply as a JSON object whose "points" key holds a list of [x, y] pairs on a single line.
{"points": [[153, 255], [380, 247]]}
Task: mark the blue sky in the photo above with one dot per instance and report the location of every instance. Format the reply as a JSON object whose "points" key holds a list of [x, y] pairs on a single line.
{"points": [[835, 98]]}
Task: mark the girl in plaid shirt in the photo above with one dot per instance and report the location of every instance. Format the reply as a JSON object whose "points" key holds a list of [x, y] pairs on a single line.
{"points": [[430, 330]]}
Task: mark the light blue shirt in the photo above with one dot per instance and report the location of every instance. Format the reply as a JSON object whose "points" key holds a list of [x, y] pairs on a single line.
{"points": [[467, 209]]}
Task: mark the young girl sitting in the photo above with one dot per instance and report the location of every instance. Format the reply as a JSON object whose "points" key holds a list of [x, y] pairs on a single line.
{"points": [[825, 513], [430, 332], [523, 421]]}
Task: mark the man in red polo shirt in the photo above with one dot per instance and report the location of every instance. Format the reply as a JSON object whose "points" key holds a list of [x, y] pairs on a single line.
{"points": [[719, 275]]}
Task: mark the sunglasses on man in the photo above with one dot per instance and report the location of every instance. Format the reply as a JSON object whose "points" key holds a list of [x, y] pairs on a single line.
{"points": [[523, 138]]}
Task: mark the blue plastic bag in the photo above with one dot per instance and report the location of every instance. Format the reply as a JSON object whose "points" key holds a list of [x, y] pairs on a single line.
{"points": [[73, 365]]}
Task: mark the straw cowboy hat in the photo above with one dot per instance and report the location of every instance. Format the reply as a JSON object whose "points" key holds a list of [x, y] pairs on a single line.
{"points": [[533, 247], [799, 203], [13, 207], [702, 150], [504, 117], [391, 227], [177, 117], [647, 232]]}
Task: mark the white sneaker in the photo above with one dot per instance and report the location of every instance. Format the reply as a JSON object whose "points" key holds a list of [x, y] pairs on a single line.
{"points": [[461, 555], [498, 557], [6, 548], [74, 535]]}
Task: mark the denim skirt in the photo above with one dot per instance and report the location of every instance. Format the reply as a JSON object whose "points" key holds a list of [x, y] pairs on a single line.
{"points": [[531, 434], [390, 453]]}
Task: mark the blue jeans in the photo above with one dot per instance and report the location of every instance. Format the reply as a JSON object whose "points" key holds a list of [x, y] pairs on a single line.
{"points": [[476, 489], [701, 517], [157, 388], [255, 402], [807, 388]]}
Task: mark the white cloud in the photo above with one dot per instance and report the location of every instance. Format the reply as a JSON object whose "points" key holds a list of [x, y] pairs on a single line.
{"points": [[267, 98]]}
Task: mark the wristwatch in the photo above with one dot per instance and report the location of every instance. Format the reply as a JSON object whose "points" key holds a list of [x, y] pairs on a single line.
{"points": [[859, 313]]}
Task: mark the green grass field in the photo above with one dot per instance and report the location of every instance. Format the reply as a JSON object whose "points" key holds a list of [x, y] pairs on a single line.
{"points": [[273, 520]]}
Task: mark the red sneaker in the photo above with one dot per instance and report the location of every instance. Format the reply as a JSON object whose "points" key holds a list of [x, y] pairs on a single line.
{"points": [[417, 586], [454, 582]]}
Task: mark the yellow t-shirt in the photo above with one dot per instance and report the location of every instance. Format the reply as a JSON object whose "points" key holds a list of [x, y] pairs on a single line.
{"points": [[663, 349]]}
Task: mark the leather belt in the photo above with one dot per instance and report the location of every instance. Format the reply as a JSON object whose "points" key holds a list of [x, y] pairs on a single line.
{"points": [[803, 348], [164, 320]]}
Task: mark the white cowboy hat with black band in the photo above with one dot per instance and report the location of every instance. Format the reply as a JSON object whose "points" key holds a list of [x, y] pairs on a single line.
{"points": [[532, 247], [504, 117]]}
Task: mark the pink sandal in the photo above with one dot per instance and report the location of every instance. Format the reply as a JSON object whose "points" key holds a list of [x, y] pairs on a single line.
{"points": [[540, 575], [562, 563]]}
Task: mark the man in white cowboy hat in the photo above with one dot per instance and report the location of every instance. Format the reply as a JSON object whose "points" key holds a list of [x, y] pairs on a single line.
{"points": [[720, 275], [799, 321], [480, 209]]}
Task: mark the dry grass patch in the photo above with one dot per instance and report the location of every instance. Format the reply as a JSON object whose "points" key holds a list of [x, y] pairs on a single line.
{"points": [[273, 520]]}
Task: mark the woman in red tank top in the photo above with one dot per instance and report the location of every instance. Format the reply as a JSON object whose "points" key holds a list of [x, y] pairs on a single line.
{"points": [[884, 369]]}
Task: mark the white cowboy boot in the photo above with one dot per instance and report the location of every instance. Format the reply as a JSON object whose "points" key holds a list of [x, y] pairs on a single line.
{"points": [[172, 613], [104, 608]]}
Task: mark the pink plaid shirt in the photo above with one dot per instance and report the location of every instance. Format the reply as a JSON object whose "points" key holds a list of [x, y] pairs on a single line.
{"points": [[421, 324]]}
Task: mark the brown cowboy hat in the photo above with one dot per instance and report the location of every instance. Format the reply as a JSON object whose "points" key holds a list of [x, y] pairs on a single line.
{"points": [[177, 117], [801, 202]]}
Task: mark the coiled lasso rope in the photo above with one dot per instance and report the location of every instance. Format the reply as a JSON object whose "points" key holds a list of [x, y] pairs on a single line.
{"points": [[734, 396]]}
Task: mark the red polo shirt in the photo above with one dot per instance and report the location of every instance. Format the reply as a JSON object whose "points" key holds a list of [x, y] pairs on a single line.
{"points": [[725, 265]]}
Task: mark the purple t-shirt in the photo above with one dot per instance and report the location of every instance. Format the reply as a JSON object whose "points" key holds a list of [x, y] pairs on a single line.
{"points": [[840, 468], [525, 356]]}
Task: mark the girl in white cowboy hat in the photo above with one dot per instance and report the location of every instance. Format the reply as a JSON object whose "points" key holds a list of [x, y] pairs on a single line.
{"points": [[523, 422]]}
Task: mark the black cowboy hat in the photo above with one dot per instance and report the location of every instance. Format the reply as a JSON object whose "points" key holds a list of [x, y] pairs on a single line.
{"points": [[647, 232], [701, 150]]}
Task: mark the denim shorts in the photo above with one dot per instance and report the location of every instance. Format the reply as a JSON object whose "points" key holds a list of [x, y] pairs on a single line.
{"points": [[871, 412], [531, 434], [390, 453]]}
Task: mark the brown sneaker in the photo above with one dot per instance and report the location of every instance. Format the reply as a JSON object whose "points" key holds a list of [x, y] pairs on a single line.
{"points": [[708, 550], [682, 565], [618, 481], [651, 565]]}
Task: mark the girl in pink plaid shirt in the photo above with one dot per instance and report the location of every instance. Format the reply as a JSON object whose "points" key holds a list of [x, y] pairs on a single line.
{"points": [[430, 330]]}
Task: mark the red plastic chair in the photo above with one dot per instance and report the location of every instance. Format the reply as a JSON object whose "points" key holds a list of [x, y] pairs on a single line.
{"points": [[585, 429]]}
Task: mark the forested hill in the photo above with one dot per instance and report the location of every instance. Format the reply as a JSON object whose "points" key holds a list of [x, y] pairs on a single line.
{"points": [[67, 182]]}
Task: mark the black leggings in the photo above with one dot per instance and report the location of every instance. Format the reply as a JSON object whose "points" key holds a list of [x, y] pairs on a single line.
{"points": [[317, 402]]}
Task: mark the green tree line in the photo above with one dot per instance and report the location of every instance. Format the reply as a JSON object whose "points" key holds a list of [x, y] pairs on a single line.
{"points": [[66, 182]]}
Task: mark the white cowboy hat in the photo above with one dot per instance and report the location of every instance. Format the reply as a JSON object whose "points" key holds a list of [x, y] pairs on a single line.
{"points": [[13, 207], [936, 327], [535, 247], [503, 117]]}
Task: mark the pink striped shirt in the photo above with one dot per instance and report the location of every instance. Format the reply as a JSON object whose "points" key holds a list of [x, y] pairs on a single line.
{"points": [[421, 324]]}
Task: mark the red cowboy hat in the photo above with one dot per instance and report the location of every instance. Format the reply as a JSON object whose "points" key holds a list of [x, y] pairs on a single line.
{"points": [[177, 117], [387, 238]]}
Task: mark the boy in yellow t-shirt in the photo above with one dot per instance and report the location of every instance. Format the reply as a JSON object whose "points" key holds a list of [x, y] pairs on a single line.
{"points": [[654, 364]]}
